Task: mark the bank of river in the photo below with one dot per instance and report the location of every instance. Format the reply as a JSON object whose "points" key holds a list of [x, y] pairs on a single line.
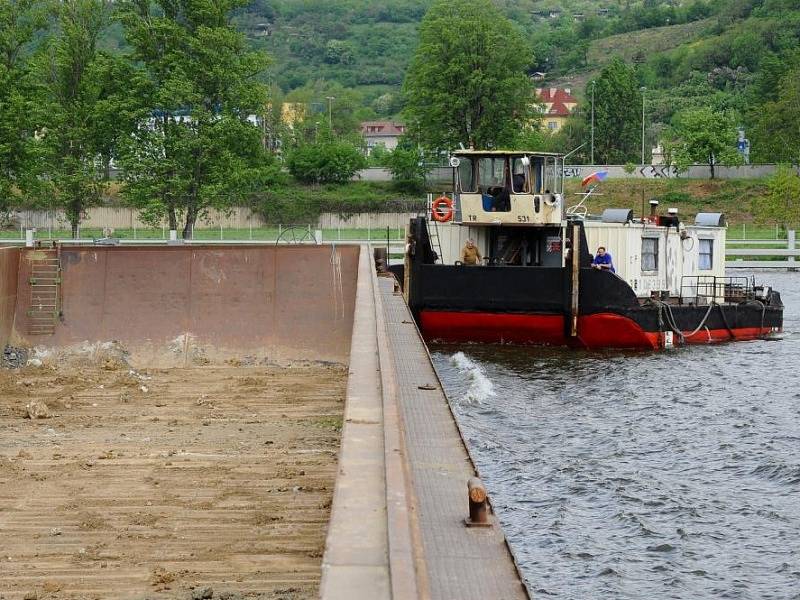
{"points": [[642, 475]]}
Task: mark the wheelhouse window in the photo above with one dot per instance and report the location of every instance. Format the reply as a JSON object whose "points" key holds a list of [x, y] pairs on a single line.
{"points": [[519, 178], [491, 173], [649, 254], [466, 175], [494, 183], [550, 175], [706, 260]]}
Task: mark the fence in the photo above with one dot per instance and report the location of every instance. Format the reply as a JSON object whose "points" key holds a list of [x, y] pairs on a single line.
{"points": [[240, 223], [765, 254]]}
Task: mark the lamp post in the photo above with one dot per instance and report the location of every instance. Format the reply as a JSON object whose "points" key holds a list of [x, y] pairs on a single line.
{"points": [[643, 90], [592, 150], [330, 111]]}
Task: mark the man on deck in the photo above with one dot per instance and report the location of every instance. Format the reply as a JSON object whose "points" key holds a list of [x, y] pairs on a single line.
{"points": [[603, 260], [470, 255]]}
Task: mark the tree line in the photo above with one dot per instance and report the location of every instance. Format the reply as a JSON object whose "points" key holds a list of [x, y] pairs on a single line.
{"points": [[187, 114], [173, 113]]}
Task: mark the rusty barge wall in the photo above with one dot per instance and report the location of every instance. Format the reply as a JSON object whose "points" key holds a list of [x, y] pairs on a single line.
{"points": [[179, 305], [9, 267]]}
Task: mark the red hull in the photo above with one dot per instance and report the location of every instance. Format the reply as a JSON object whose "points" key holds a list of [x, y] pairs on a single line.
{"points": [[602, 330]]}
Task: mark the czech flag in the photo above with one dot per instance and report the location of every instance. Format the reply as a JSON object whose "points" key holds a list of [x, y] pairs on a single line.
{"points": [[596, 176]]}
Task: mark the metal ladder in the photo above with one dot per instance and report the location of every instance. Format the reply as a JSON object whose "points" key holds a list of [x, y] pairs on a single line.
{"points": [[45, 282], [433, 232]]}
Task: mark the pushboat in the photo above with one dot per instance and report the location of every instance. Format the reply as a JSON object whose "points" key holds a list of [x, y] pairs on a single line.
{"points": [[536, 284]]}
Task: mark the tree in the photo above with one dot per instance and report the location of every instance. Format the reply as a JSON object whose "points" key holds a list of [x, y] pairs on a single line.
{"points": [[328, 160], [322, 96], [617, 114], [70, 107], [196, 150], [703, 136], [467, 82], [782, 201], [407, 166], [777, 131], [20, 21]]}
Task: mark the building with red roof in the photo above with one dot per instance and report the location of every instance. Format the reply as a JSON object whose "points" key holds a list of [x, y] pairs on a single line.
{"points": [[556, 104], [381, 133]]}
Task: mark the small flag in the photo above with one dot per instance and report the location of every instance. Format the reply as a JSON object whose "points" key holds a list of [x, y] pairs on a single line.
{"points": [[596, 176]]}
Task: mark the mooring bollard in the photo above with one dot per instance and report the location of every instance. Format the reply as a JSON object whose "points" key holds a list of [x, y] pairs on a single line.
{"points": [[478, 506]]}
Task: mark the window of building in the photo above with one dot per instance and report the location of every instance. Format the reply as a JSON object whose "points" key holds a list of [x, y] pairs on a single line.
{"points": [[706, 261], [649, 254], [552, 125]]}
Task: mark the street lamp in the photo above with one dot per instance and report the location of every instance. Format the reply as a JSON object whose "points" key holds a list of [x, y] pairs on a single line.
{"points": [[592, 151], [643, 90], [330, 113]]}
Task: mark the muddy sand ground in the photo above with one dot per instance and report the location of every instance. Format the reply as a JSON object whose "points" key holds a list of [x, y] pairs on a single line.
{"points": [[162, 483]]}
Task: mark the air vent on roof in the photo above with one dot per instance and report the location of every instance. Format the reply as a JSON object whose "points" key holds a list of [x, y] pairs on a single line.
{"points": [[617, 215], [710, 219]]}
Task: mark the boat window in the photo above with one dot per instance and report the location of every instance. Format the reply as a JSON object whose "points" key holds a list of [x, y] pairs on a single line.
{"points": [[519, 180], [537, 169], [466, 175], [550, 175], [494, 184], [491, 173], [649, 254], [706, 261]]}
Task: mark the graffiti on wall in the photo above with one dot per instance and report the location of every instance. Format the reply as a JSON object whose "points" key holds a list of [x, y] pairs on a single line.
{"points": [[658, 172], [646, 172]]}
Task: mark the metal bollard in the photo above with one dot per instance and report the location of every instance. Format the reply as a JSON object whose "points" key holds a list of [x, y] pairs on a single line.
{"points": [[478, 506]]}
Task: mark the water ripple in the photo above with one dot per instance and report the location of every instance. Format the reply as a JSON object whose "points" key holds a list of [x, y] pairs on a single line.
{"points": [[625, 475]]}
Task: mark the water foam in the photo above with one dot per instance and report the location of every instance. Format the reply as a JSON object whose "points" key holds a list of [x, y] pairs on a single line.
{"points": [[480, 387]]}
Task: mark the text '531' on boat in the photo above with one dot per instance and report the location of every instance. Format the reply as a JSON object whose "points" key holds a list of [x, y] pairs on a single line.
{"points": [[503, 260]]}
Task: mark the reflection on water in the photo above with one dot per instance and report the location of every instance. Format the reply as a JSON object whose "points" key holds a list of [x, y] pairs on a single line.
{"points": [[630, 475]]}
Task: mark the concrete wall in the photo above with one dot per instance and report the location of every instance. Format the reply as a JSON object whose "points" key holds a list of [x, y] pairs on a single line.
{"points": [[9, 266], [445, 174], [365, 220], [666, 172], [126, 218], [178, 305]]}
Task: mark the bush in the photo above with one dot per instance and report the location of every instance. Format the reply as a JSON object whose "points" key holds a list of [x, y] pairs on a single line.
{"points": [[326, 162], [407, 168]]}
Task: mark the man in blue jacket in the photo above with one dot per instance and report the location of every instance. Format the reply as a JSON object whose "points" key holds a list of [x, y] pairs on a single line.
{"points": [[603, 260]]}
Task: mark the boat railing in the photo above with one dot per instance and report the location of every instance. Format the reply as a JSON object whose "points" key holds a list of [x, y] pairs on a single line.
{"points": [[705, 289]]}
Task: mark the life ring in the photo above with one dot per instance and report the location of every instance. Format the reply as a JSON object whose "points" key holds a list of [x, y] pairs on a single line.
{"points": [[436, 209]]}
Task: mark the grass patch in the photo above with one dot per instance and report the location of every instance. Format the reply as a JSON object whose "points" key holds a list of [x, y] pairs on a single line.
{"points": [[690, 196], [646, 41]]}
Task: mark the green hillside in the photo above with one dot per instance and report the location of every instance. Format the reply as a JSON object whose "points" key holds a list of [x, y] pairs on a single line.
{"points": [[729, 53]]}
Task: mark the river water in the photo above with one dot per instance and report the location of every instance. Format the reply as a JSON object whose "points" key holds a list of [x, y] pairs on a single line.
{"points": [[642, 475]]}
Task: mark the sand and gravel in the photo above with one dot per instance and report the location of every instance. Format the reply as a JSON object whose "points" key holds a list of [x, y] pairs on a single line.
{"points": [[205, 482]]}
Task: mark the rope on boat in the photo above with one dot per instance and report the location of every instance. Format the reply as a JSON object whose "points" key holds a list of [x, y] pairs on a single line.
{"points": [[673, 324], [725, 320], [670, 318]]}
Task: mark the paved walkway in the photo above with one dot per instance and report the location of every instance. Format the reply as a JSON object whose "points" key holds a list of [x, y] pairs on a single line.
{"points": [[460, 562]]}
